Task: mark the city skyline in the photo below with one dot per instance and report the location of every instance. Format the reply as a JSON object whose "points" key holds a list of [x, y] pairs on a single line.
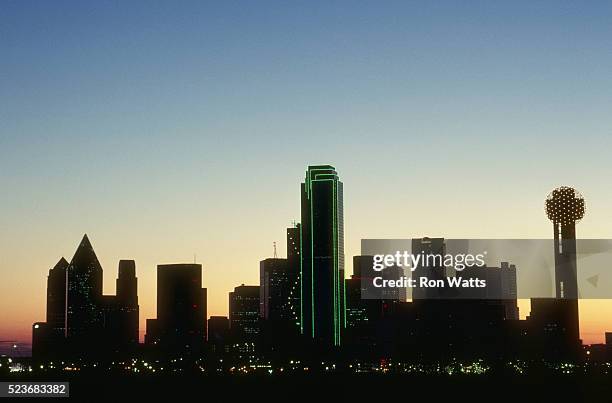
{"points": [[167, 131], [85, 253], [596, 332], [262, 323]]}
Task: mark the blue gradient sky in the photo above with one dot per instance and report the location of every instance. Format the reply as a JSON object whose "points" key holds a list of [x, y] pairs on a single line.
{"points": [[164, 129]]}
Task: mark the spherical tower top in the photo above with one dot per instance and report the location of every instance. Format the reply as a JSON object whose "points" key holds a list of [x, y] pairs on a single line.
{"points": [[565, 205]]}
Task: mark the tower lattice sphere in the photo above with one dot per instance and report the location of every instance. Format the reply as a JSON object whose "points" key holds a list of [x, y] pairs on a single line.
{"points": [[565, 205]]}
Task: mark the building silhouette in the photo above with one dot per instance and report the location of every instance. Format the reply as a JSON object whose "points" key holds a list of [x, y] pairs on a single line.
{"points": [[81, 321], [218, 333], [366, 307], [356, 311], [279, 297], [180, 325], [279, 284], [46, 343], [305, 309], [552, 328], [500, 287], [120, 312], [84, 316], [509, 290], [322, 256], [127, 301], [293, 245], [293, 267], [435, 271], [244, 314], [554, 322], [275, 291], [56, 299]]}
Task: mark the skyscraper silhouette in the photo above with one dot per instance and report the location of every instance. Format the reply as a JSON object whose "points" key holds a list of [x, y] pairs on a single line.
{"points": [[84, 317], [218, 333], [244, 311], [275, 289], [362, 313], [127, 301], [181, 309], [500, 287], [279, 285], [293, 266], [120, 312], [81, 322], [293, 244], [429, 246], [56, 298], [322, 254]]}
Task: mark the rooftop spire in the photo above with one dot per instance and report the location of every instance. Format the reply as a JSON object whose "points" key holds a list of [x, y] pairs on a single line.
{"points": [[85, 256], [61, 264]]}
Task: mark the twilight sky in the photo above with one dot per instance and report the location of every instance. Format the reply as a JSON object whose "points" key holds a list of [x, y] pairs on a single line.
{"points": [[165, 129]]}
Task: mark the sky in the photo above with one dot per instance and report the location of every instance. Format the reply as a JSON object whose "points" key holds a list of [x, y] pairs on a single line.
{"points": [[173, 130]]}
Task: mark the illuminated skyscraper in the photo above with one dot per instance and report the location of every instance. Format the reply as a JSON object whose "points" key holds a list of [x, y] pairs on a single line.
{"points": [[293, 244], [279, 284], [322, 253], [293, 266]]}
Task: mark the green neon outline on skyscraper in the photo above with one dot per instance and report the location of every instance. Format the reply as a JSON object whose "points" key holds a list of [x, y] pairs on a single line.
{"points": [[336, 291]]}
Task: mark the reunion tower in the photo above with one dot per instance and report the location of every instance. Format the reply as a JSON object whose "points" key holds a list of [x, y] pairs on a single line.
{"points": [[564, 207]]}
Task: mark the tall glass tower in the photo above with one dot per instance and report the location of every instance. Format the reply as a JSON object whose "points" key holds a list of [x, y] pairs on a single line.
{"points": [[83, 315], [322, 256]]}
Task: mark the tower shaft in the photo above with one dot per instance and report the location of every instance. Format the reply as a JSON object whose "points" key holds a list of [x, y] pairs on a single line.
{"points": [[566, 281]]}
